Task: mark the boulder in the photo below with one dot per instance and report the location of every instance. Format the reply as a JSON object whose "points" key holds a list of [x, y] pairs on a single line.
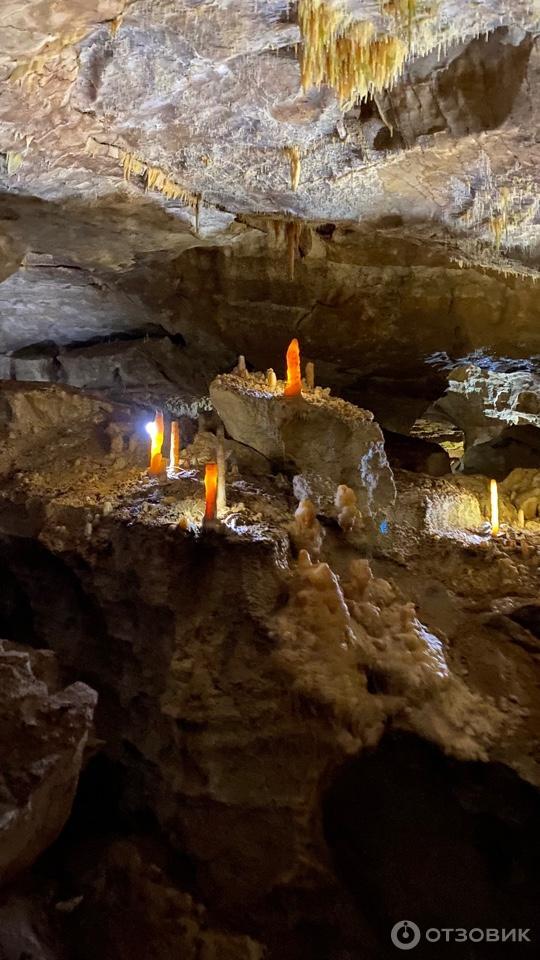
{"points": [[43, 733], [313, 433]]}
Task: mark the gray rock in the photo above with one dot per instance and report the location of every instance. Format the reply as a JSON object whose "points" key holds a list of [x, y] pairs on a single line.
{"points": [[34, 368]]}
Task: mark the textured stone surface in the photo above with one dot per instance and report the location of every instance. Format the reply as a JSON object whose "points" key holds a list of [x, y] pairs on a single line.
{"points": [[315, 433], [416, 181], [44, 730], [485, 402]]}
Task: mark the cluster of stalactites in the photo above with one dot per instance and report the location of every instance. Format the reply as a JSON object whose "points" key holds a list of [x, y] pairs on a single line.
{"points": [[346, 54]]}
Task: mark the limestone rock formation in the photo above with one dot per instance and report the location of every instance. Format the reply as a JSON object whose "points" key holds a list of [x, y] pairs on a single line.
{"points": [[129, 198], [315, 432], [483, 402], [43, 732]]}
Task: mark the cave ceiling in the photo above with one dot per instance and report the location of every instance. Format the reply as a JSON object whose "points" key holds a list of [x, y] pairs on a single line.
{"points": [[132, 132]]}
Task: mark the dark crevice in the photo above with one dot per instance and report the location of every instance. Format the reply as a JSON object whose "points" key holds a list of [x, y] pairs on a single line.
{"points": [[418, 836]]}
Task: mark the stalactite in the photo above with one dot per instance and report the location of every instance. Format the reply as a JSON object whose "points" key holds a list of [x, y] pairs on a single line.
{"points": [[345, 53], [295, 160], [14, 162], [155, 177], [115, 24], [292, 233], [27, 70]]}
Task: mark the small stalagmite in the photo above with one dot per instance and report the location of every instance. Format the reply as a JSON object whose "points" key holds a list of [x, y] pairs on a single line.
{"points": [[174, 452], [240, 369], [156, 430], [347, 508], [271, 380], [310, 375], [494, 496], [305, 530], [210, 487], [293, 387]]}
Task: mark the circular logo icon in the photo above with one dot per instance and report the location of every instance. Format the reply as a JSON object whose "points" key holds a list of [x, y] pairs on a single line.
{"points": [[405, 935]]}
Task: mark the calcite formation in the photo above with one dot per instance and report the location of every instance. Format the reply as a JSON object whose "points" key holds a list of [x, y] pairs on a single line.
{"points": [[484, 402], [315, 432], [44, 729]]}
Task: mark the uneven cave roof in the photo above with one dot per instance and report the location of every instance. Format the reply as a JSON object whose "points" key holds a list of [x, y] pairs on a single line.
{"points": [[203, 99]]}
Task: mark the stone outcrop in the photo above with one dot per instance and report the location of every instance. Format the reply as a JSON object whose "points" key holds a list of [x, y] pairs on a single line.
{"points": [[499, 413], [43, 732], [314, 432], [484, 402]]}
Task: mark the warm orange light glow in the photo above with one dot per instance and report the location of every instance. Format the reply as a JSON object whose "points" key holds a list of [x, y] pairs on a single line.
{"points": [[494, 506], [294, 376], [210, 486], [174, 452], [156, 431]]}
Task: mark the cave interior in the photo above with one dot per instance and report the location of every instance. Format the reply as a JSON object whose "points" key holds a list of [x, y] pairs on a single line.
{"points": [[269, 479]]}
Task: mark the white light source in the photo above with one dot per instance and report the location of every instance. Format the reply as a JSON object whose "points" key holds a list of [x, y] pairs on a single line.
{"points": [[151, 428]]}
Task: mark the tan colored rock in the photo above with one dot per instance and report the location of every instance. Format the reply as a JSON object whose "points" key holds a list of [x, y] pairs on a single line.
{"points": [[306, 531]]}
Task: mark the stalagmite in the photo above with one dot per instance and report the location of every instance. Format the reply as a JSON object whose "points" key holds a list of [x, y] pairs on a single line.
{"points": [[240, 369], [494, 496], [156, 430], [306, 531], [210, 488], [221, 502], [174, 454], [293, 387], [271, 380], [347, 508]]}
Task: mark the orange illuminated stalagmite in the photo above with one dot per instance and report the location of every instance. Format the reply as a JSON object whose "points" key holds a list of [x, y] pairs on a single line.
{"points": [[293, 387], [174, 452], [210, 486], [156, 429]]}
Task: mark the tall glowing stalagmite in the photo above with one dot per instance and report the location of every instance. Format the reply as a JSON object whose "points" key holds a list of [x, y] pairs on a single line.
{"points": [[294, 375], [210, 487], [494, 493], [156, 429]]}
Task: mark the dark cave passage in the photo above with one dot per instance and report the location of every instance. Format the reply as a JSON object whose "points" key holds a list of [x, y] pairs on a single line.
{"points": [[420, 837]]}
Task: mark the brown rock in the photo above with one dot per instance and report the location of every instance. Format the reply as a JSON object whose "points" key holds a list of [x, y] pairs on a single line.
{"points": [[43, 732]]}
